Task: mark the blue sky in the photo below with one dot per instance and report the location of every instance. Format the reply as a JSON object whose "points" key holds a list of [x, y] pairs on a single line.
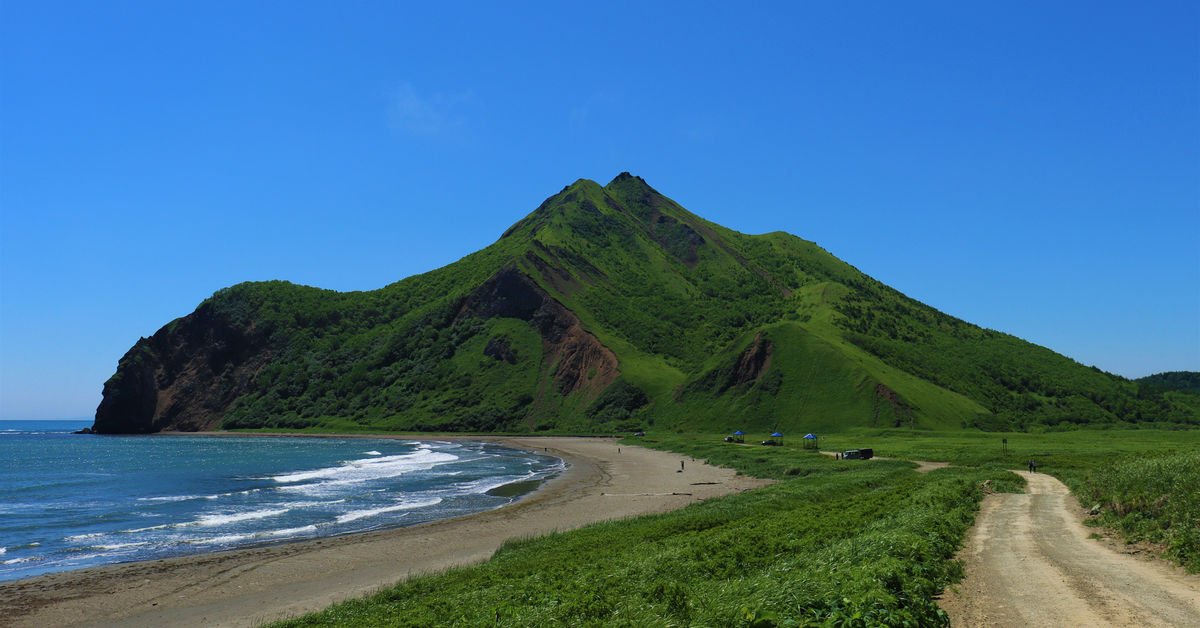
{"points": [[1030, 167]]}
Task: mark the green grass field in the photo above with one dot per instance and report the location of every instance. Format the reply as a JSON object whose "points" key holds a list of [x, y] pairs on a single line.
{"points": [[1151, 497], [832, 543]]}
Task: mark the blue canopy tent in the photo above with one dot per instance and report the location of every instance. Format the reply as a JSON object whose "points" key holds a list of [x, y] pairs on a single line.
{"points": [[810, 441], [737, 437]]}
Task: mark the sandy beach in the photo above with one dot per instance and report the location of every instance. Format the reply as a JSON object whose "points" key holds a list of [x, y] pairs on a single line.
{"points": [[249, 587]]}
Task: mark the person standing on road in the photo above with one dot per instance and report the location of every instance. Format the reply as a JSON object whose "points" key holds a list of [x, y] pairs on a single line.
{"points": [[1033, 466]]}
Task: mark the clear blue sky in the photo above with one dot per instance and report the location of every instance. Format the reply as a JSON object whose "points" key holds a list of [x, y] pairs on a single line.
{"points": [[1031, 167]]}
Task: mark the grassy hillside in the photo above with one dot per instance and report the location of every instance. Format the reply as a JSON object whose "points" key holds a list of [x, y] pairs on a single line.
{"points": [[606, 309]]}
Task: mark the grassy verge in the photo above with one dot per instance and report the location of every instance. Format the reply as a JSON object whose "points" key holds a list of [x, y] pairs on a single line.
{"points": [[1151, 498], [832, 543]]}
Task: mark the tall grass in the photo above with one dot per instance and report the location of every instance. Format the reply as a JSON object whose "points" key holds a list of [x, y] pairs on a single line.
{"points": [[1151, 498]]}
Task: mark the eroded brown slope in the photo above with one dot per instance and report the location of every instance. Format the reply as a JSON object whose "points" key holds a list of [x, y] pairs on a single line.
{"points": [[184, 377], [581, 362]]}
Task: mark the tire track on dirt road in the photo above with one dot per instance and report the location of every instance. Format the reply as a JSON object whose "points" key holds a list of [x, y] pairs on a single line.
{"points": [[1029, 562]]}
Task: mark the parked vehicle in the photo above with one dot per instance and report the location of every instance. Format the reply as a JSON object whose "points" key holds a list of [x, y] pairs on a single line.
{"points": [[771, 442], [858, 454]]}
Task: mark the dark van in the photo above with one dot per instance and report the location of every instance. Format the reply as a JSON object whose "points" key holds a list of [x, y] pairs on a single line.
{"points": [[858, 454]]}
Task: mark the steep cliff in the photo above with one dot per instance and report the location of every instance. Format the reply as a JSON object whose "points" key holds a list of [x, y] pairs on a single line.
{"points": [[184, 377]]}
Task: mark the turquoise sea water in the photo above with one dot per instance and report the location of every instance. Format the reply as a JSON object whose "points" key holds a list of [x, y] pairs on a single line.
{"points": [[69, 501]]}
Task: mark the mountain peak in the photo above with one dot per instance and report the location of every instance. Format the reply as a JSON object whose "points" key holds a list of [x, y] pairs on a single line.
{"points": [[630, 186], [582, 183], [627, 181]]}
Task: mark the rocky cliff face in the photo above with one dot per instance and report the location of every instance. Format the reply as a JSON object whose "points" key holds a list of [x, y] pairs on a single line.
{"points": [[583, 362], [184, 377]]}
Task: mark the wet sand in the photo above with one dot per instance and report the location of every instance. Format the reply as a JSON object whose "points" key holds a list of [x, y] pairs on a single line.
{"points": [[252, 586]]}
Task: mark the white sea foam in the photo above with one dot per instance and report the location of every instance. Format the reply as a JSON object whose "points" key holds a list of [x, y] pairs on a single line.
{"points": [[290, 531], [170, 498], [320, 489], [355, 515], [221, 540], [184, 498], [298, 505], [3, 550], [222, 519], [484, 485], [225, 539], [29, 559], [372, 468], [147, 529], [117, 546], [80, 537], [372, 453]]}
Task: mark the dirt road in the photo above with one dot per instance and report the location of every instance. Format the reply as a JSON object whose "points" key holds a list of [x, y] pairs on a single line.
{"points": [[1030, 562]]}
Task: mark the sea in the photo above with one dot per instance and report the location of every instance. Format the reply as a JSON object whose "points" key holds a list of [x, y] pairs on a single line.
{"points": [[69, 501]]}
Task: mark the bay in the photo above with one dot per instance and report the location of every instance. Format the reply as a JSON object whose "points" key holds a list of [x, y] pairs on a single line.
{"points": [[69, 501]]}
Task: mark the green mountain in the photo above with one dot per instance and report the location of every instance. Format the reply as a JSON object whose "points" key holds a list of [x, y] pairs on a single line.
{"points": [[607, 309]]}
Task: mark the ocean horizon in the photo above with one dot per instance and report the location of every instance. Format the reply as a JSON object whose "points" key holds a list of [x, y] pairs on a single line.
{"points": [[71, 501]]}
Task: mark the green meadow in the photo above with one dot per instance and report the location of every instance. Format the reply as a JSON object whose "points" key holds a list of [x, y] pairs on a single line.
{"points": [[1152, 497], [831, 543]]}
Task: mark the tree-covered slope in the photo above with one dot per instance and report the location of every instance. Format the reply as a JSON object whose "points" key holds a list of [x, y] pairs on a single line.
{"points": [[1186, 381], [607, 308]]}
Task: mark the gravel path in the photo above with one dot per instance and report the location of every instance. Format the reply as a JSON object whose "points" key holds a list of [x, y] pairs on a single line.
{"points": [[1030, 562]]}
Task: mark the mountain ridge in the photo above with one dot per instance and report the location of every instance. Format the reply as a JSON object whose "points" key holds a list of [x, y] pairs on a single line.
{"points": [[608, 308]]}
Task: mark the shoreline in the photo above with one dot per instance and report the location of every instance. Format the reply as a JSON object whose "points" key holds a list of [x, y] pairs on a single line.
{"points": [[511, 492], [248, 587]]}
